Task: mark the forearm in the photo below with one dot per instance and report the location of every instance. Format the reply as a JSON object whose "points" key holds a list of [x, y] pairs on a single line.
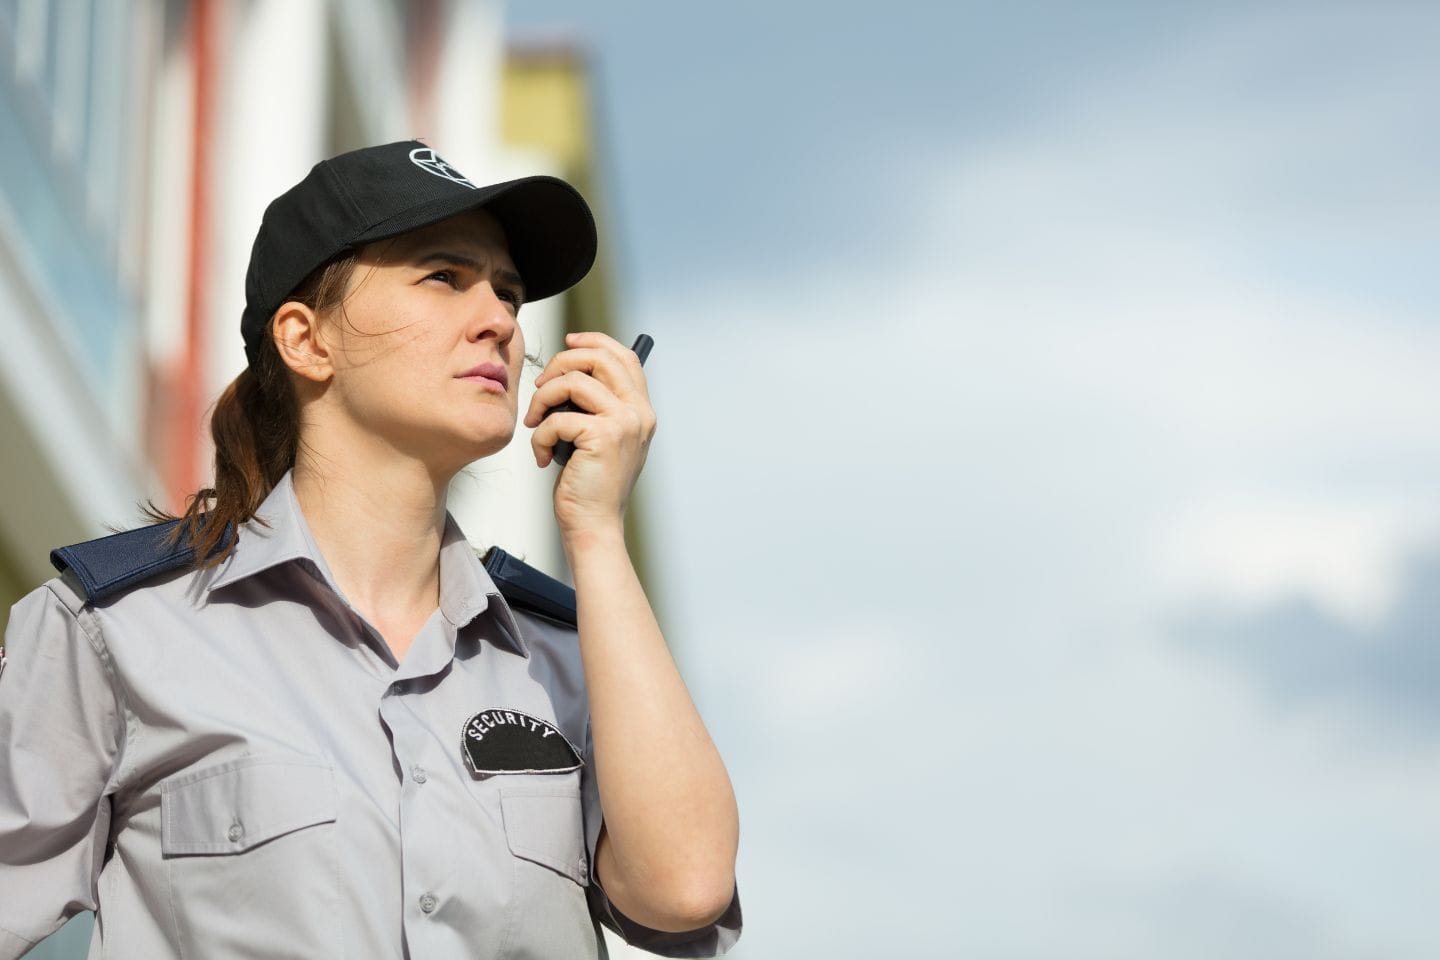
{"points": [[669, 808]]}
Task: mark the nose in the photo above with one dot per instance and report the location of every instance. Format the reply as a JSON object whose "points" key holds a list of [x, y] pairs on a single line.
{"points": [[491, 316]]}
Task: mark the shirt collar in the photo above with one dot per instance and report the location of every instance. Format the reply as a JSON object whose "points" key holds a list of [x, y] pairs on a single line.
{"points": [[466, 589]]}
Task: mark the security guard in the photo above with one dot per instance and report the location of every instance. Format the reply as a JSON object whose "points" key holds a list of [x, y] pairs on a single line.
{"points": [[229, 742]]}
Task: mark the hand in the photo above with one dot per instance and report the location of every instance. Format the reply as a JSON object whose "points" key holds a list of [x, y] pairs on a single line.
{"points": [[612, 437]]}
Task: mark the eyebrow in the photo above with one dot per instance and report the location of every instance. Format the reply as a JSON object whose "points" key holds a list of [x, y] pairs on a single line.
{"points": [[469, 263]]}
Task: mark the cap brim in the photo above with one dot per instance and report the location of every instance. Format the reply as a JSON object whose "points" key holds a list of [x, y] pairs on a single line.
{"points": [[548, 227]]}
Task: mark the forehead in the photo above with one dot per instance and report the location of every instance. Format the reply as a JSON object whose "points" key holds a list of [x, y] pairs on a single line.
{"points": [[475, 231]]}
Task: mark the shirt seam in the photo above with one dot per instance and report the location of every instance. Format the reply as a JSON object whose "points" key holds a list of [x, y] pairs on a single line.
{"points": [[88, 623], [18, 936]]}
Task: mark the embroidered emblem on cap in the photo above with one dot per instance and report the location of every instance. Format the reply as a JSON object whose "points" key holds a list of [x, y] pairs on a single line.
{"points": [[508, 741], [431, 162]]}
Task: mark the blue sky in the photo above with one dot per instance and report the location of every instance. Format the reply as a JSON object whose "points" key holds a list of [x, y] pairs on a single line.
{"points": [[1047, 458]]}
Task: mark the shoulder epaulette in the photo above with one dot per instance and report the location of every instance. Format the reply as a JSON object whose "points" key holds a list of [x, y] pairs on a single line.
{"points": [[523, 586], [107, 565]]}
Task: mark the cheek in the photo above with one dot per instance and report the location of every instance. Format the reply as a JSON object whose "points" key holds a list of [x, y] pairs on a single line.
{"points": [[396, 374], [376, 340], [378, 393], [517, 370]]}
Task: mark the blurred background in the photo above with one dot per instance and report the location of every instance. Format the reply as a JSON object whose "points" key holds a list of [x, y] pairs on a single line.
{"points": [[1044, 506]]}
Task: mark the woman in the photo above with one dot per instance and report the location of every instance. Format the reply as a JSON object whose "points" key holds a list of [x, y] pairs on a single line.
{"points": [[307, 721]]}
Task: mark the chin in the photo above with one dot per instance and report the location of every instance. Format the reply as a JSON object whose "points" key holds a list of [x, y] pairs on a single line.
{"points": [[488, 443], [489, 450]]}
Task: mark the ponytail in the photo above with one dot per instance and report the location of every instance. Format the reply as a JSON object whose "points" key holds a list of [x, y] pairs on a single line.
{"points": [[256, 429]]}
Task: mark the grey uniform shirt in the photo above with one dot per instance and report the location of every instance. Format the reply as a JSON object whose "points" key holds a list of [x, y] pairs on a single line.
{"points": [[230, 763]]}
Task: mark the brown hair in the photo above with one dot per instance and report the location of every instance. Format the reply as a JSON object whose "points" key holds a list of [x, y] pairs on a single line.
{"points": [[256, 430]]}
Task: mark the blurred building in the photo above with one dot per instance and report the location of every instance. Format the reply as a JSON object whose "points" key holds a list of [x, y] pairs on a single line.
{"points": [[140, 141], [548, 120], [72, 270]]}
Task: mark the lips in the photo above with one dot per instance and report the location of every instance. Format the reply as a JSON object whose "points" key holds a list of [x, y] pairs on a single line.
{"points": [[490, 371]]}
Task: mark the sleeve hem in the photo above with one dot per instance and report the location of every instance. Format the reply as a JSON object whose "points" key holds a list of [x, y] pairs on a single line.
{"points": [[711, 940]]}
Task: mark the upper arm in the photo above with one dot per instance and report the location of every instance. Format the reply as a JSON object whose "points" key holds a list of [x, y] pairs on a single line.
{"points": [[60, 735], [709, 940]]}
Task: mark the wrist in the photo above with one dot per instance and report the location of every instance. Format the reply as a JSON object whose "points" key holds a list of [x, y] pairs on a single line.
{"points": [[593, 537]]}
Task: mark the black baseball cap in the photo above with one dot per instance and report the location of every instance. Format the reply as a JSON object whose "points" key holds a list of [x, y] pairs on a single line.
{"points": [[379, 192]]}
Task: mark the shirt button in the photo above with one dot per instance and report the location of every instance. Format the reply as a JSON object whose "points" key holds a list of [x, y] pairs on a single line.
{"points": [[417, 773], [428, 903], [235, 832]]}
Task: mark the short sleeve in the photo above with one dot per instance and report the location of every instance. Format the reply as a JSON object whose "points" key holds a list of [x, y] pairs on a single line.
{"points": [[60, 735], [708, 941]]}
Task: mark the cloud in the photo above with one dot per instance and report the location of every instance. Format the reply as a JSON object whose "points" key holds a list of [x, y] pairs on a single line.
{"points": [[1303, 656], [1345, 559], [1085, 349], [1200, 917], [931, 513]]}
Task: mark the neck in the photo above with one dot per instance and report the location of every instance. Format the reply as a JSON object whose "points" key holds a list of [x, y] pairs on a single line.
{"points": [[379, 522]]}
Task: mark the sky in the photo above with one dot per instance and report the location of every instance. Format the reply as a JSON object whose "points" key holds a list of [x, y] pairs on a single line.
{"points": [[1045, 477]]}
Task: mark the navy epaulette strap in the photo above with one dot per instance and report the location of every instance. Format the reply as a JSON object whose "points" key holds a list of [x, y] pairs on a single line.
{"points": [[109, 564], [523, 586]]}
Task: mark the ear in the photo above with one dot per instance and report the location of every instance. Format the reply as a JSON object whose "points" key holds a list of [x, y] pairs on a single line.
{"points": [[300, 341]]}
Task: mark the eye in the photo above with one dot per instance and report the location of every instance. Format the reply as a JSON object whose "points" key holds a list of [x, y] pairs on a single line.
{"points": [[507, 294], [445, 276]]}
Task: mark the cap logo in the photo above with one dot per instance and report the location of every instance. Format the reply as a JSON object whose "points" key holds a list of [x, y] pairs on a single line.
{"points": [[431, 162]]}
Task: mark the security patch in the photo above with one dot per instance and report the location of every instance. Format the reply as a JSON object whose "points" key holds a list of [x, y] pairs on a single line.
{"points": [[508, 741]]}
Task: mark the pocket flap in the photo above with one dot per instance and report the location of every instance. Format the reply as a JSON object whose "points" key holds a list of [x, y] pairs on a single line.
{"points": [[233, 806], [543, 825]]}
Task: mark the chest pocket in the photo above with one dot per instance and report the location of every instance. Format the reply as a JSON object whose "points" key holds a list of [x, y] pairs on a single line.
{"points": [[543, 822], [250, 857], [234, 806], [548, 915]]}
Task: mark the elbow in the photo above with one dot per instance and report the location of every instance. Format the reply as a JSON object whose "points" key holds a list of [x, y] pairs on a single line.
{"points": [[703, 904], [695, 904], [674, 905], [688, 887]]}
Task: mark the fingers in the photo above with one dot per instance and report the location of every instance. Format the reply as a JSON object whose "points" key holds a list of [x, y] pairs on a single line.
{"points": [[606, 381], [602, 355], [598, 363], [602, 341], [558, 426], [596, 355], [587, 431], [588, 393]]}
